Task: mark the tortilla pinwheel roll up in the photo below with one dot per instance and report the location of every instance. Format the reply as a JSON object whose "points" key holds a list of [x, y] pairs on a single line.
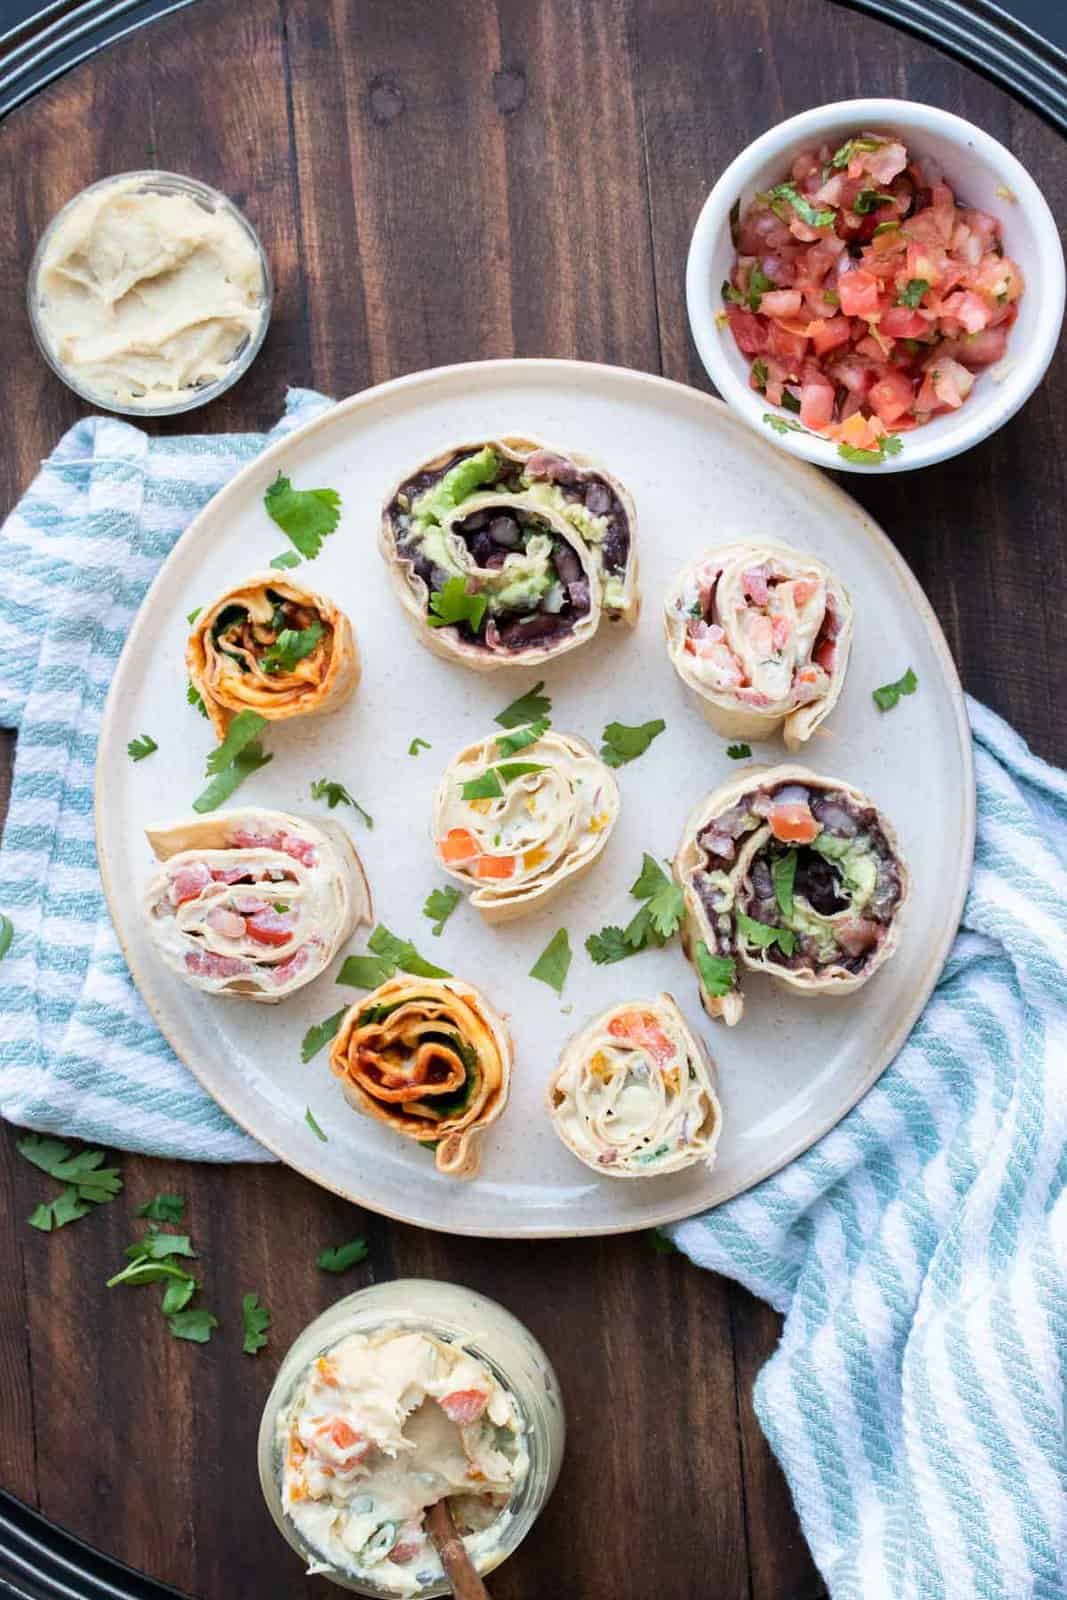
{"points": [[520, 814], [253, 903], [272, 646], [431, 1059], [634, 1093], [503, 552], [761, 633], [792, 874]]}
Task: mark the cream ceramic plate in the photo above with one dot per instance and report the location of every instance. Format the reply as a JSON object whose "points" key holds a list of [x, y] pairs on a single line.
{"points": [[699, 477]]}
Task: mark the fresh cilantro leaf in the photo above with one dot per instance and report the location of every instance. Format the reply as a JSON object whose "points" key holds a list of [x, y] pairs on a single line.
{"points": [[759, 373], [553, 964], [783, 874], [322, 1032], [610, 944], [7, 933], [453, 604], [305, 516], [251, 758], [164, 1208], [763, 936], [145, 1270], [533, 706], [756, 288], [403, 954], [196, 1325], [84, 1177], [440, 904], [887, 696], [138, 749], [177, 1295], [309, 1118], [246, 726], [286, 561], [623, 744], [191, 616], [292, 645], [418, 744], [335, 794], [912, 292], [195, 698], [739, 752], [803, 207], [509, 744], [853, 147], [67, 1207], [888, 445], [486, 786], [785, 425], [885, 227], [157, 1246], [257, 1321], [364, 972], [730, 294], [665, 901], [338, 1258], [868, 199], [717, 973], [660, 1243]]}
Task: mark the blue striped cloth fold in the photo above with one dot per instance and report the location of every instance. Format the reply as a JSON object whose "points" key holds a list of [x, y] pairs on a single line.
{"points": [[919, 1252], [917, 1398], [79, 1052]]}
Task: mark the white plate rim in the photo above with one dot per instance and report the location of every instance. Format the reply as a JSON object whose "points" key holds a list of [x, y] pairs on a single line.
{"points": [[789, 466]]}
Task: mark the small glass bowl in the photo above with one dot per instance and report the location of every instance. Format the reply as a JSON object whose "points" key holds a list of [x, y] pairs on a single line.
{"points": [[211, 200], [492, 1335]]}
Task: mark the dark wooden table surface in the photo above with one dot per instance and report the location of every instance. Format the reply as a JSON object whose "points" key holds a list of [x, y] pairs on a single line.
{"points": [[434, 182]]}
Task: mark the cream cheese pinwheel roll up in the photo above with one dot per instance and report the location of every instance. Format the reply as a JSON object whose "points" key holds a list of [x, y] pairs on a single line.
{"points": [[504, 552], [273, 646], [520, 814], [791, 874], [762, 635], [634, 1093], [253, 903], [431, 1059]]}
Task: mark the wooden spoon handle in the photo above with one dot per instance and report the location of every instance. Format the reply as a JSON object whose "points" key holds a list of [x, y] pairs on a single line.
{"points": [[459, 1569]]}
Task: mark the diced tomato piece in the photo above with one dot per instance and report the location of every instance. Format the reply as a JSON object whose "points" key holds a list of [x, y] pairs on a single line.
{"points": [[829, 334], [458, 846], [187, 882], [793, 823], [952, 382], [999, 278], [968, 308], [749, 331], [271, 927], [205, 964], [803, 590], [859, 292], [494, 867], [892, 396], [980, 349], [641, 1028], [781, 303], [824, 653], [463, 1406], [900, 322], [816, 404], [789, 347]]}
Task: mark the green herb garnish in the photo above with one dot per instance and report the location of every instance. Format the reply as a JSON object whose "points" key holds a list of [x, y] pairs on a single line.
{"points": [[310, 1120], [196, 1325], [763, 936], [553, 964], [660, 1243], [286, 561], [338, 1258], [7, 933], [853, 147], [623, 744], [533, 706], [191, 616], [783, 874], [490, 784], [335, 794], [305, 516], [138, 749], [164, 1208], [657, 920], [246, 726], [888, 445], [718, 974], [292, 645], [250, 759], [803, 207], [868, 199], [256, 1320], [365, 972], [320, 1033], [509, 744], [453, 604], [912, 292], [388, 955], [87, 1182], [195, 698], [887, 696], [440, 904], [418, 744], [739, 752]]}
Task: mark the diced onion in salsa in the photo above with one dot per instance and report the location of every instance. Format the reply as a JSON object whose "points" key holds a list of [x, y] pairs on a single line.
{"points": [[866, 296]]}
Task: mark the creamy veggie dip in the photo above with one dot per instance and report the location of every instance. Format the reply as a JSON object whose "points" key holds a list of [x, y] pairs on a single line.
{"points": [[380, 1427], [142, 295]]}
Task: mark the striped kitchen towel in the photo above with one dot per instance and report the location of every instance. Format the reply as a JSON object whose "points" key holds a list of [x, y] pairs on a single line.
{"points": [[917, 1398], [79, 1052]]}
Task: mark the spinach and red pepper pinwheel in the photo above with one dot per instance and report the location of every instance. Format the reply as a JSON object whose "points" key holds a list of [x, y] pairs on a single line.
{"points": [[516, 826], [761, 633], [274, 647], [253, 903], [634, 1093], [791, 874], [504, 552], [430, 1058]]}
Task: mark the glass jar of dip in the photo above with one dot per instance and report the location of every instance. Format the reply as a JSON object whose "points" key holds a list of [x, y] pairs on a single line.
{"points": [[454, 1315]]}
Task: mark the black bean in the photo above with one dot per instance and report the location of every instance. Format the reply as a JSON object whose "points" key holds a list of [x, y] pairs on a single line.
{"points": [[539, 627], [567, 565], [835, 814], [504, 531], [616, 546], [579, 594], [762, 882], [598, 498], [481, 547], [818, 882], [476, 521], [546, 464]]}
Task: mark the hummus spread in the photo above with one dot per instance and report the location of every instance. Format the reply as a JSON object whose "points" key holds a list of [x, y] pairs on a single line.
{"points": [[381, 1427], [143, 295]]}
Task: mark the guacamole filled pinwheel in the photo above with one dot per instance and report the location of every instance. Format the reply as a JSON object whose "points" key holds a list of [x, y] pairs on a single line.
{"points": [[761, 634], [518, 815], [272, 646], [253, 903], [634, 1093], [791, 874], [429, 1058], [504, 552]]}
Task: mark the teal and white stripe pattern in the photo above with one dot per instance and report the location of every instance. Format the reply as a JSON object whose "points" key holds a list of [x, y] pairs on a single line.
{"points": [[919, 1251], [79, 1052]]}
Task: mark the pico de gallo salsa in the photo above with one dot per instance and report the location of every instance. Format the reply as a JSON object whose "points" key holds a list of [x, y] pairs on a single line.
{"points": [[866, 295]]}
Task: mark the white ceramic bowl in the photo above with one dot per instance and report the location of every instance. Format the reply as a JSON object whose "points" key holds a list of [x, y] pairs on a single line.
{"points": [[976, 166]]}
